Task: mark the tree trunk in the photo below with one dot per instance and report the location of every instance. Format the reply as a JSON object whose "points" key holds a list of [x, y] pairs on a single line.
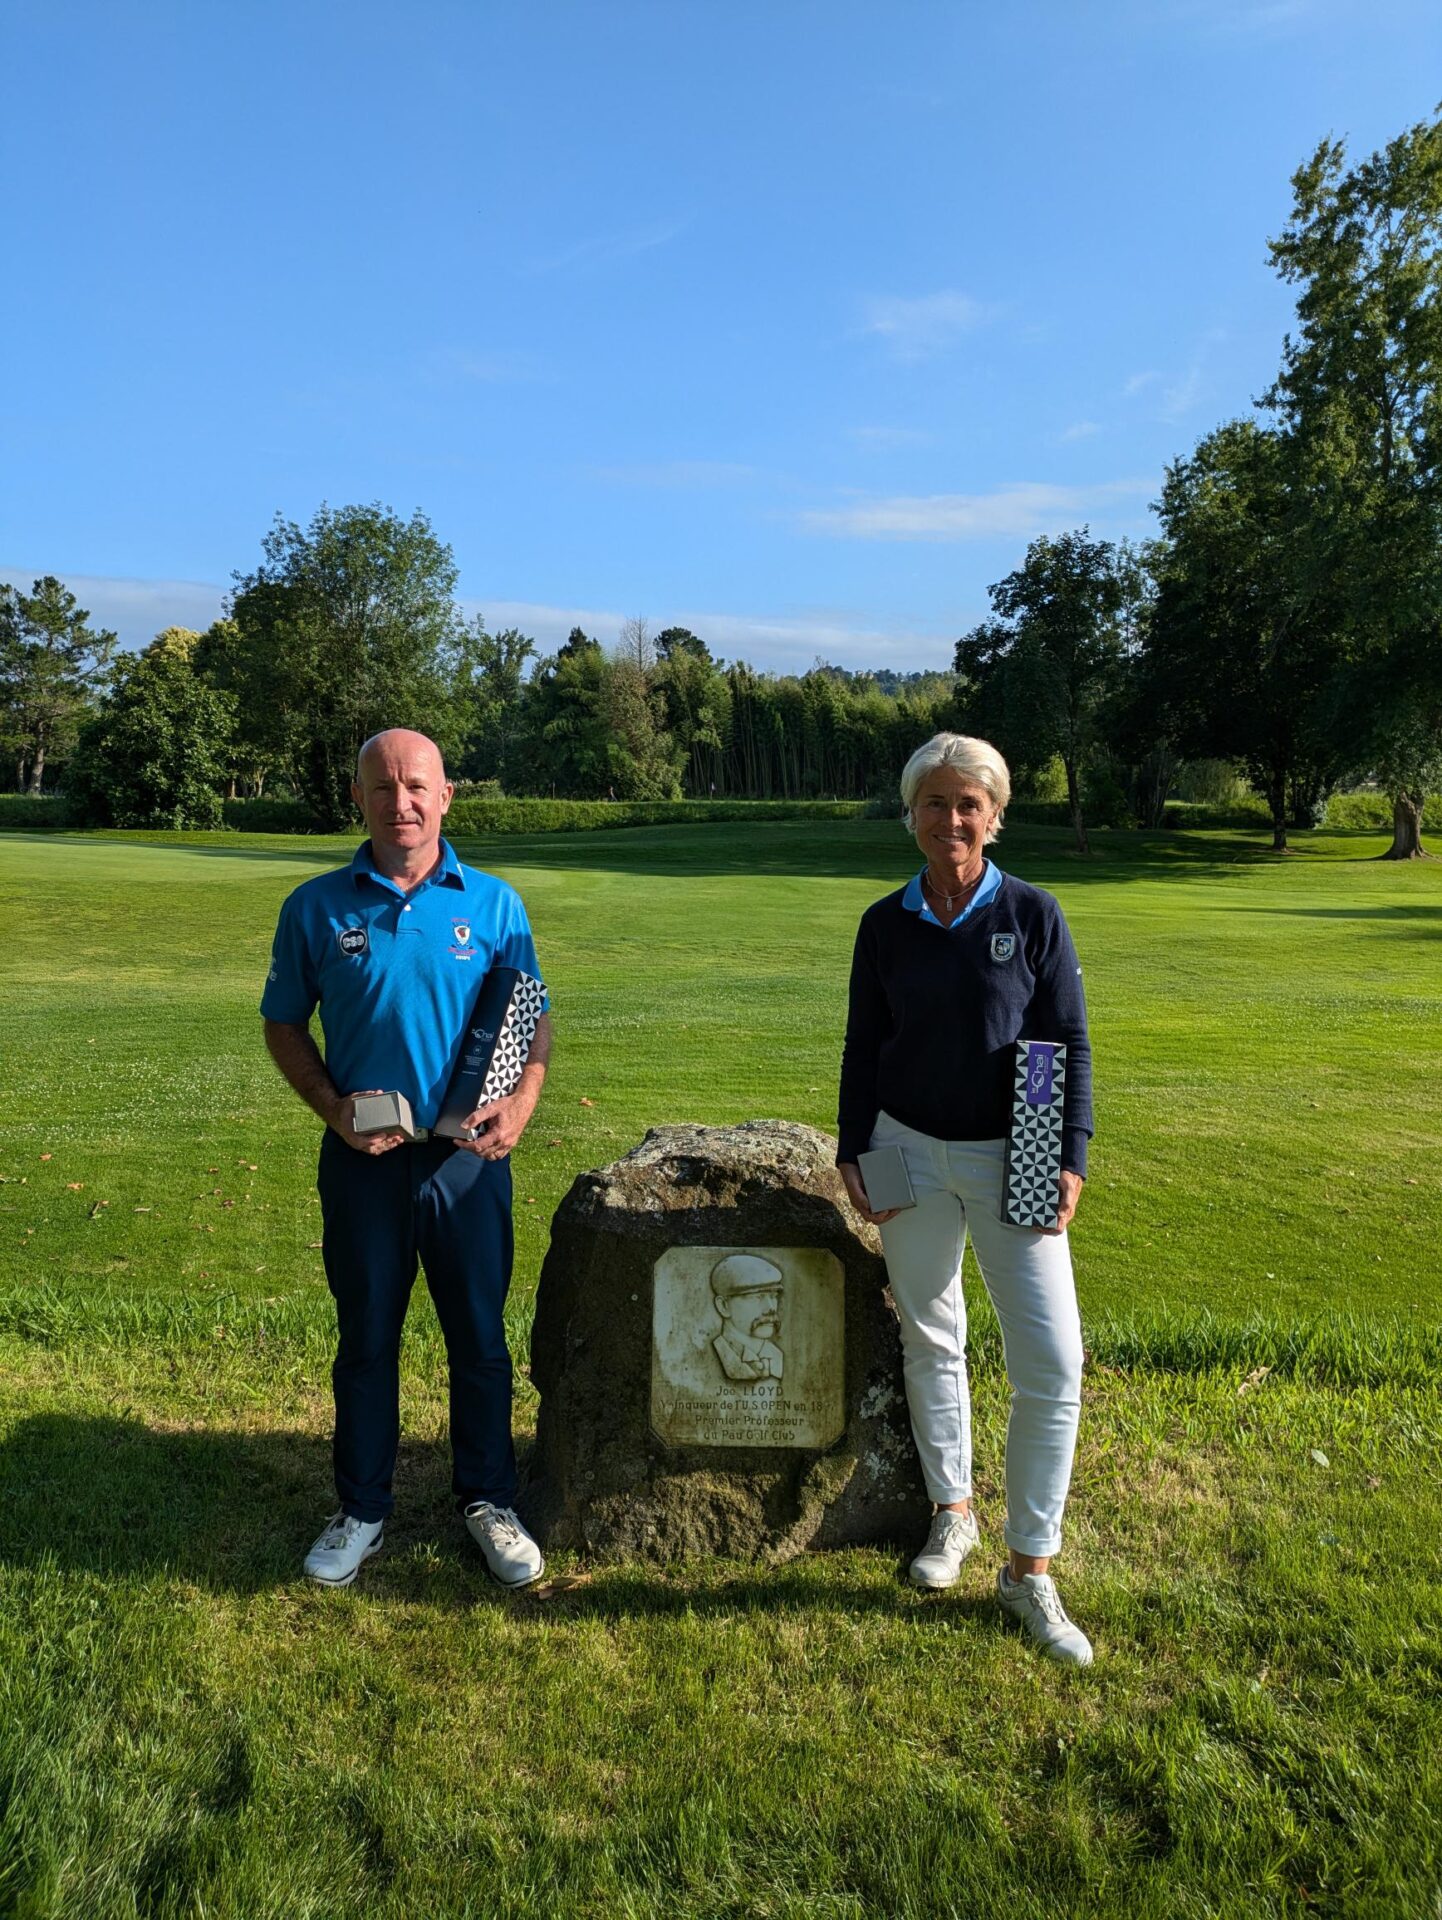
{"points": [[1073, 800], [1277, 801], [37, 768], [1406, 828]]}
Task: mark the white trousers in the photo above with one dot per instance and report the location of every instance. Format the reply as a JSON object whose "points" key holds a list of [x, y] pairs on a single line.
{"points": [[1028, 1275]]}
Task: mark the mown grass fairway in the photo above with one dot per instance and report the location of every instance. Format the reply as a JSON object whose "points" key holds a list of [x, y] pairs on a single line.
{"points": [[186, 1728]]}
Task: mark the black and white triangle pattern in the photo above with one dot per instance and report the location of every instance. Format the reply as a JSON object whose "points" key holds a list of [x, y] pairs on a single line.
{"points": [[513, 1038], [1033, 1151]]}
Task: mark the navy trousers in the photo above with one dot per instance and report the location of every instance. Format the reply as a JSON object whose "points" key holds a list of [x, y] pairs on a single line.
{"points": [[382, 1213]]}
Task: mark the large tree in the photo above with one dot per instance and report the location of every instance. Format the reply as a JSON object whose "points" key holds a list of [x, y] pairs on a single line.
{"points": [[566, 745], [158, 752], [1043, 669], [643, 761], [696, 703], [346, 621], [487, 674], [260, 739], [1241, 647], [1359, 398], [52, 665]]}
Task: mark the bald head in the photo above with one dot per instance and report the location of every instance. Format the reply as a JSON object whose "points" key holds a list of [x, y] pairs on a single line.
{"points": [[397, 740], [403, 793]]}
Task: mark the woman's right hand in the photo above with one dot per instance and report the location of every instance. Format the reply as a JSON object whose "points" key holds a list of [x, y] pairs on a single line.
{"points": [[856, 1193]]}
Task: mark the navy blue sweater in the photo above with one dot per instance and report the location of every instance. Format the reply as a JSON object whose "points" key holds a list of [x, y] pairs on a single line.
{"points": [[935, 1013]]}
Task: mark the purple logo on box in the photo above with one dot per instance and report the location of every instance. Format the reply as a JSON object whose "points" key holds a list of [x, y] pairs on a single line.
{"points": [[1039, 1059]]}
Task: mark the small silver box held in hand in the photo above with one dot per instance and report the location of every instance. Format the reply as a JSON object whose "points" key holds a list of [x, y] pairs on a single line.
{"points": [[887, 1183], [384, 1113]]}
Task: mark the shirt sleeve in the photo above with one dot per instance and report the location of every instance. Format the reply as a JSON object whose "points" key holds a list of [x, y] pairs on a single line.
{"points": [[291, 987], [516, 948], [868, 1021], [1059, 1013]]}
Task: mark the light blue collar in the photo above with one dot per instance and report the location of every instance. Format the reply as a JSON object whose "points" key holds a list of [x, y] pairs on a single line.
{"points": [[915, 899], [447, 874]]}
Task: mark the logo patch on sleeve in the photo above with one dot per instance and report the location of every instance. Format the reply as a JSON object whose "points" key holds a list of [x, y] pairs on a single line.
{"points": [[1003, 946], [352, 940]]}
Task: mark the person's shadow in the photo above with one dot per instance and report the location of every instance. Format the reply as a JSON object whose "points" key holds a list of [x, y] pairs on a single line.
{"points": [[233, 1511], [230, 1511]]}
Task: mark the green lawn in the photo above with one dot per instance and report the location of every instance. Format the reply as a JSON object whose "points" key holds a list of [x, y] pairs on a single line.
{"points": [[1268, 1038], [187, 1729]]}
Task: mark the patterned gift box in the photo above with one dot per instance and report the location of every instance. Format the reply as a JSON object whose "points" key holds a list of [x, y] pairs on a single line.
{"points": [[1030, 1196], [498, 1039]]}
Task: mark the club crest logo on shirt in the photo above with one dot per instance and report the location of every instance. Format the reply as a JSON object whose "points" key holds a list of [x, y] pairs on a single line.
{"points": [[461, 940], [1003, 946], [353, 940]]}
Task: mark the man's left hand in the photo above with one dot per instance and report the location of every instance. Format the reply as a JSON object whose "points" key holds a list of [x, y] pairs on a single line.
{"points": [[501, 1123], [1070, 1186]]}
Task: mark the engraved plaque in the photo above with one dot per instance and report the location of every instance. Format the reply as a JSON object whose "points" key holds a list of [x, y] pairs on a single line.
{"points": [[748, 1347]]}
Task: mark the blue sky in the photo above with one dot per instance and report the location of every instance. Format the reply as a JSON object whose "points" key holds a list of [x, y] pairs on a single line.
{"points": [[789, 322]]}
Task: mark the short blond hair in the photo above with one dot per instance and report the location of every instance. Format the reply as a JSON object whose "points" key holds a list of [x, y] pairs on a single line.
{"points": [[973, 759]]}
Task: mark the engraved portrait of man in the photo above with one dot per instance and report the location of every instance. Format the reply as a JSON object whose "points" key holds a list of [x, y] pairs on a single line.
{"points": [[746, 1292]]}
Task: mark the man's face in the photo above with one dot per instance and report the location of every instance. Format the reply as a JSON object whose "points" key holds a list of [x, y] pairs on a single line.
{"points": [[402, 792], [755, 1315]]}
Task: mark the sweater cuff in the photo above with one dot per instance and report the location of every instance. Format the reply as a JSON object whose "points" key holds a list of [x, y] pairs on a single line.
{"points": [[851, 1146], [1074, 1150]]}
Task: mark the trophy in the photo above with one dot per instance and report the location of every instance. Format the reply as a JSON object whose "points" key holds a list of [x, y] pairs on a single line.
{"points": [[498, 1038], [1030, 1191], [385, 1113]]}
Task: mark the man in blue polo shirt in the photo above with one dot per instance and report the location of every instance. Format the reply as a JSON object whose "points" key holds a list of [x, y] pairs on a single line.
{"points": [[393, 949]]}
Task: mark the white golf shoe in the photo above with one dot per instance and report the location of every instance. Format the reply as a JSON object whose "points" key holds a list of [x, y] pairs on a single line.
{"points": [[1034, 1601], [951, 1539], [511, 1554], [337, 1557]]}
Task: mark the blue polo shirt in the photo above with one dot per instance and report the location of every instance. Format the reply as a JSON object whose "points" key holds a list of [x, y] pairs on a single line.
{"points": [[395, 974]]}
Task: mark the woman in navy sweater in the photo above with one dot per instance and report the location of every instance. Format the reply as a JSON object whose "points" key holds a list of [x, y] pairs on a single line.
{"points": [[948, 974]]}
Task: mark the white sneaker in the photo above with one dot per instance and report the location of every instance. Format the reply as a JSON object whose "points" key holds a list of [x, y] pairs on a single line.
{"points": [[336, 1557], [1034, 1601], [511, 1554], [952, 1537]]}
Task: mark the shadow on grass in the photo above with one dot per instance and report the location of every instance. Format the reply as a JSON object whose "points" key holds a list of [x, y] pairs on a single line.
{"points": [[234, 1512], [849, 849], [1399, 914]]}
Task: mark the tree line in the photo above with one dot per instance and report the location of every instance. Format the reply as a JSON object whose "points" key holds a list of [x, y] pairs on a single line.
{"points": [[1287, 617]]}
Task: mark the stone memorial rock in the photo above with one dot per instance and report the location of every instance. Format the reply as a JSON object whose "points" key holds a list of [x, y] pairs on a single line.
{"points": [[718, 1360]]}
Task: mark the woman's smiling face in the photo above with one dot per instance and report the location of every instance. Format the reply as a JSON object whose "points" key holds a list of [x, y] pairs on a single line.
{"points": [[951, 818]]}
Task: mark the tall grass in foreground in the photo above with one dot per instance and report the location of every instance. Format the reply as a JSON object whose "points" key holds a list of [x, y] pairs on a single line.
{"points": [[187, 1729]]}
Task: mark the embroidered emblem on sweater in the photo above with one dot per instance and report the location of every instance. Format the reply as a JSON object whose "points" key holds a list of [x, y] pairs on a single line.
{"points": [[1003, 946]]}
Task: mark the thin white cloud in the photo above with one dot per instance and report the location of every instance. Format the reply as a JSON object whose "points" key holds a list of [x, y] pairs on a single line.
{"points": [[604, 249], [488, 366], [920, 328], [1079, 430], [886, 437], [135, 610], [139, 609], [1018, 510], [771, 645], [1180, 395], [1234, 19], [1176, 393]]}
